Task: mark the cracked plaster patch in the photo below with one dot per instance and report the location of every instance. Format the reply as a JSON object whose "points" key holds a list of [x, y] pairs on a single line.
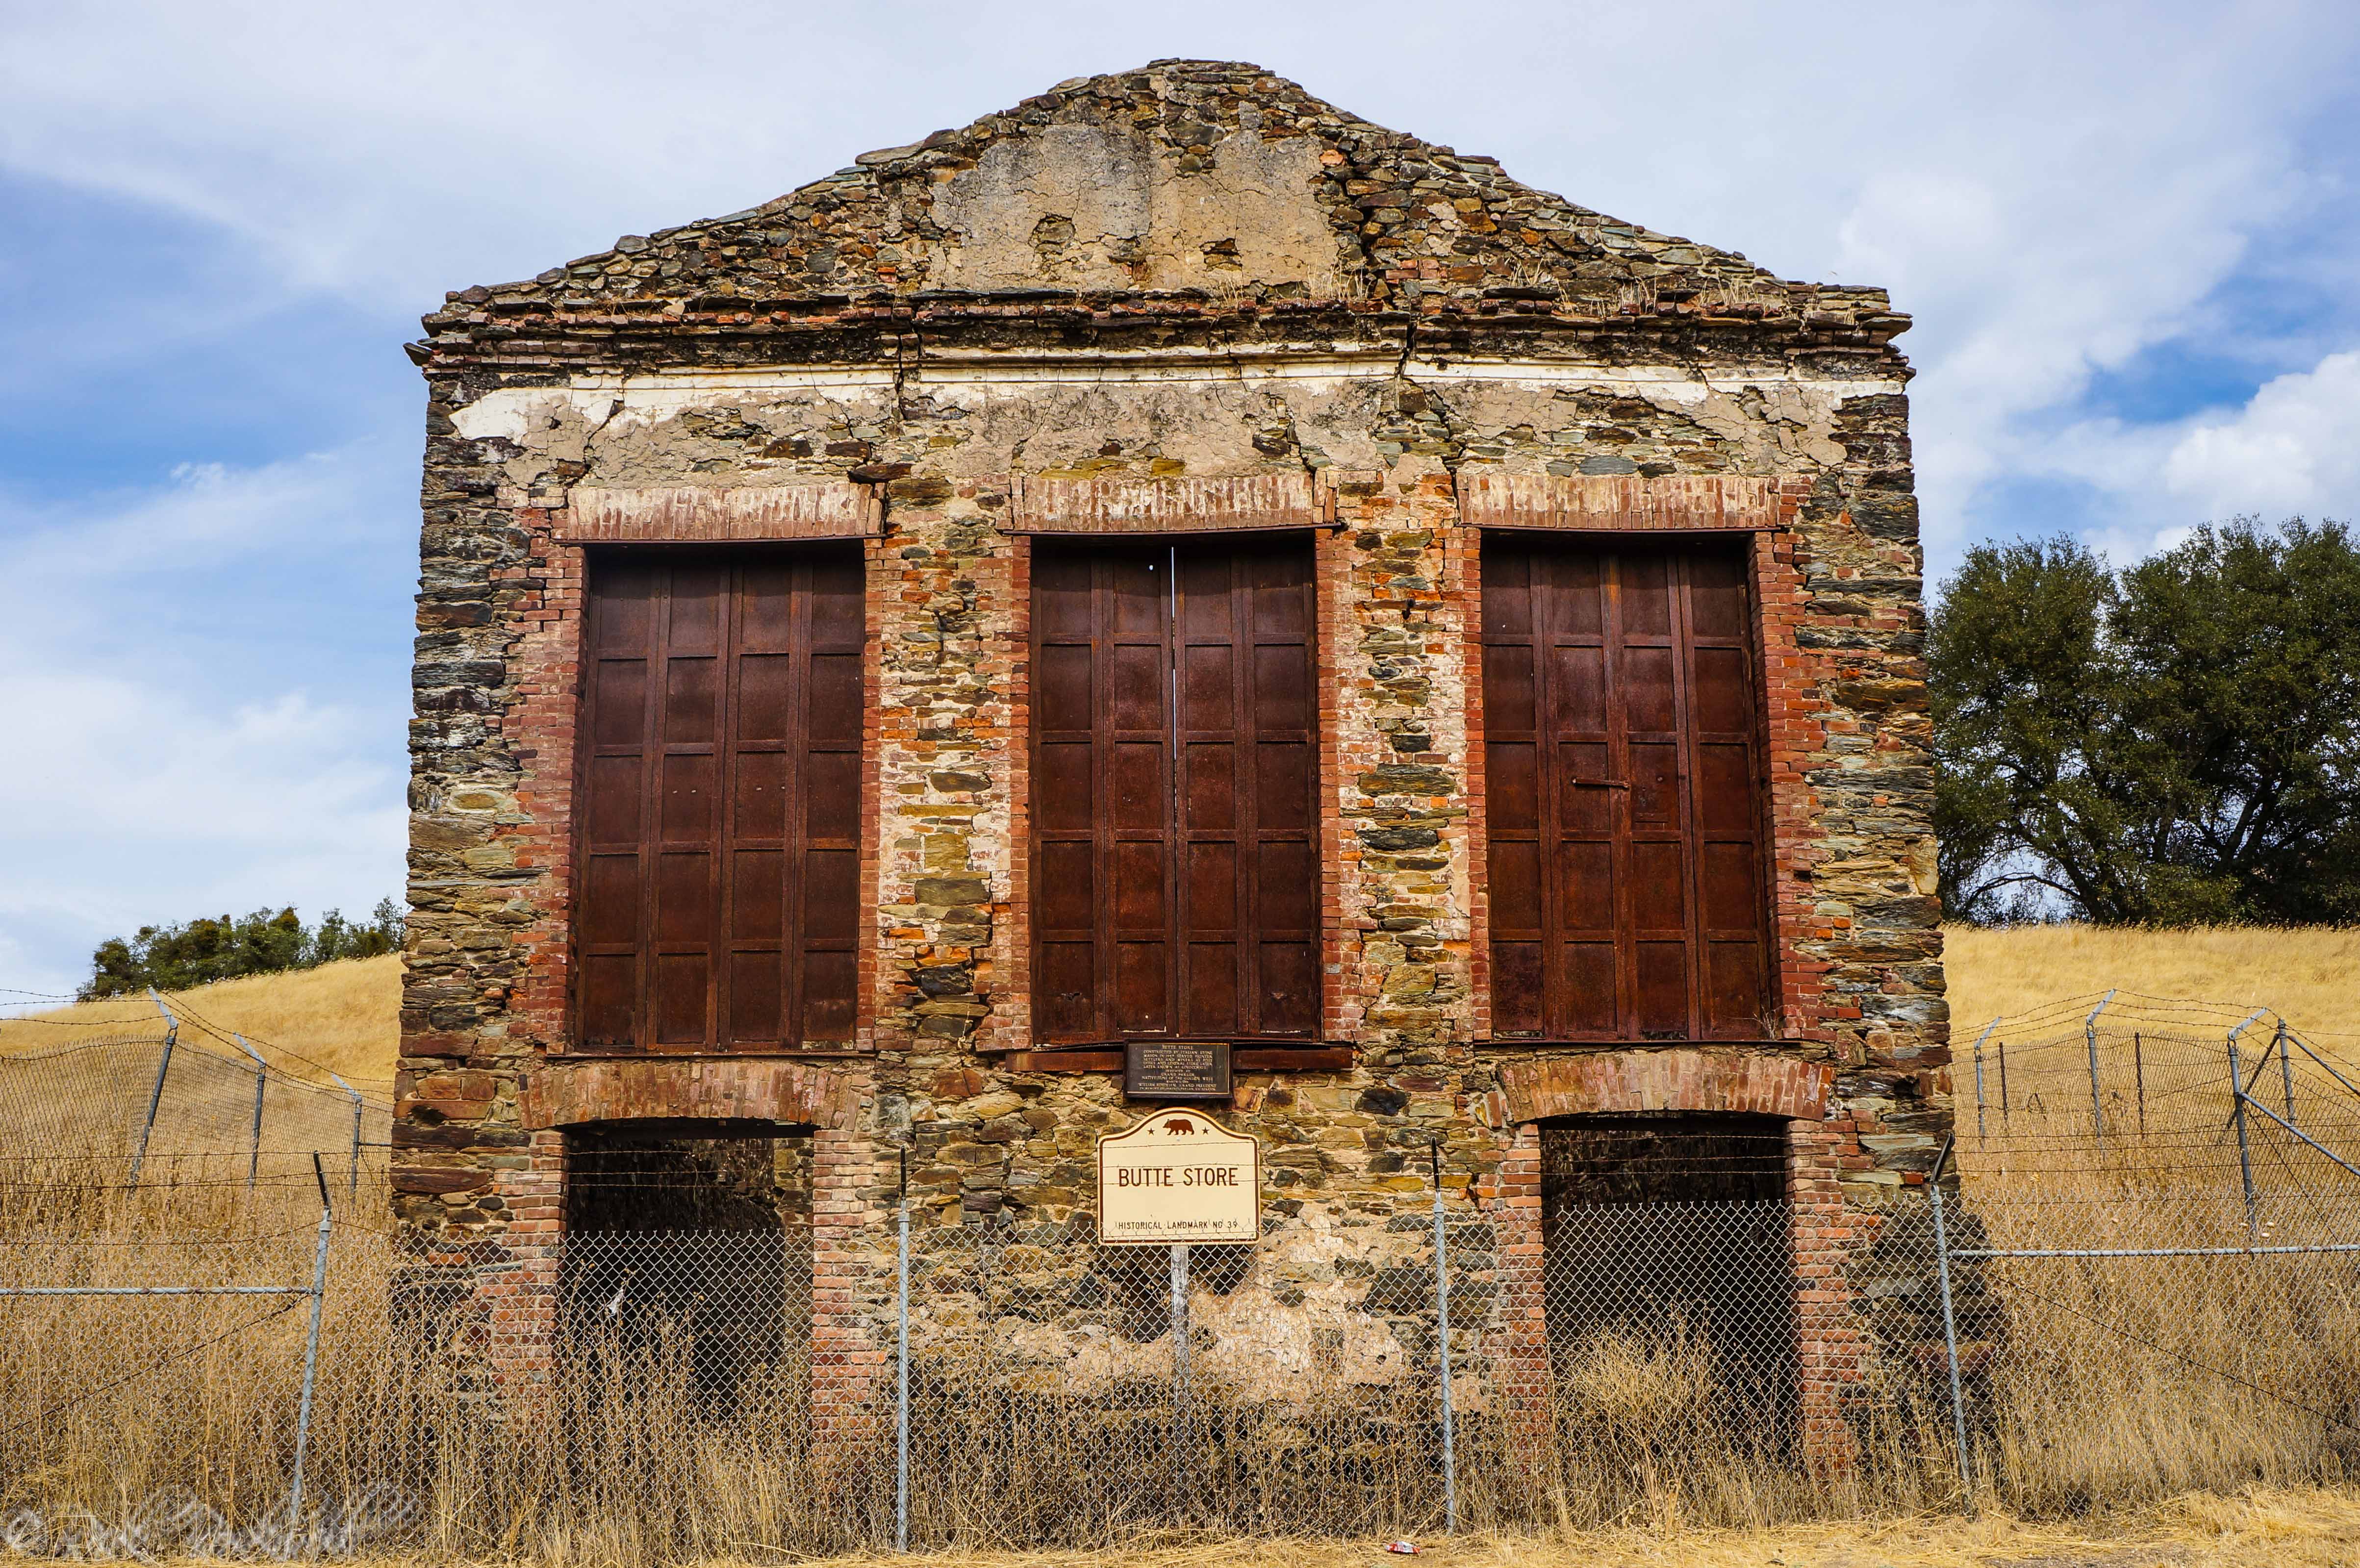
{"points": [[1088, 206]]}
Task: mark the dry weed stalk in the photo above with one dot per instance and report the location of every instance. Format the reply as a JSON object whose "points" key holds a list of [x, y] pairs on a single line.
{"points": [[636, 1453], [2091, 1384]]}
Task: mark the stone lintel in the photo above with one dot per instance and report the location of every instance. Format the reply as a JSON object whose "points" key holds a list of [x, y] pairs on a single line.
{"points": [[1619, 501], [1163, 505], [737, 515], [1658, 1079]]}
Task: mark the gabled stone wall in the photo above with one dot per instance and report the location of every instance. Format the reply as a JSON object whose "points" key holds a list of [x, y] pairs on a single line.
{"points": [[1387, 328]]}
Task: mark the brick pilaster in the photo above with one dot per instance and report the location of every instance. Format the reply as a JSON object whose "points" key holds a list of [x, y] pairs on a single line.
{"points": [[851, 1290], [1831, 1340], [516, 1297], [1518, 1348]]}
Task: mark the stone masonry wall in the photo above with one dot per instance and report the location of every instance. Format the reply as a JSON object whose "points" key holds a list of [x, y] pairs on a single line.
{"points": [[1410, 320]]}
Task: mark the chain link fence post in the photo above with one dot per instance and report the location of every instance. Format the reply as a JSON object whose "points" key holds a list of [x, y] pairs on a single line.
{"points": [[261, 1080], [901, 1366], [2244, 1144], [2138, 1075], [1981, 1135], [2089, 1033], [353, 1186], [311, 1353], [2286, 1069], [1950, 1337], [2006, 1124], [1442, 1329], [156, 1094]]}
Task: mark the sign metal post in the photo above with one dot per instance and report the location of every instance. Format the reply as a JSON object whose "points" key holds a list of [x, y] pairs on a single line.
{"points": [[1175, 1179], [1180, 1423]]}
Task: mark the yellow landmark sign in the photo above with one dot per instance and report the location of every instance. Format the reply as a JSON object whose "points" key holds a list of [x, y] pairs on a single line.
{"points": [[1179, 1176]]}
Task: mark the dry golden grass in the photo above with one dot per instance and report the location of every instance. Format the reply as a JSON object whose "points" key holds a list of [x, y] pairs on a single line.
{"points": [[2307, 1527], [630, 1462], [342, 1015], [2310, 977], [1650, 1476], [2261, 1527], [2299, 1529]]}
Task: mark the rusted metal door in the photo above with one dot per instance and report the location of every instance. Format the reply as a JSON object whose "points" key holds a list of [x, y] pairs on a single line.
{"points": [[716, 901], [1176, 876], [1622, 791]]}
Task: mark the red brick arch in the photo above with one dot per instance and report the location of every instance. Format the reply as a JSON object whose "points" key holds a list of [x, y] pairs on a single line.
{"points": [[519, 1302], [799, 1094], [1666, 1080], [1831, 1344]]}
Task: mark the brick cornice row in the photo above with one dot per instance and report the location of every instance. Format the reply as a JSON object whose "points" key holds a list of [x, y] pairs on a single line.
{"points": [[1614, 503]]}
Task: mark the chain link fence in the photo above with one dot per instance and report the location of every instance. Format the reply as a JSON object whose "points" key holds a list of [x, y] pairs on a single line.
{"points": [[2154, 1254], [2091, 1315], [201, 1102]]}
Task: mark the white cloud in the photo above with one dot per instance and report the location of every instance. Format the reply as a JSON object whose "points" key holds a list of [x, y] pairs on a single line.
{"points": [[2294, 448], [2048, 189], [206, 511], [149, 804], [147, 782], [2123, 544]]}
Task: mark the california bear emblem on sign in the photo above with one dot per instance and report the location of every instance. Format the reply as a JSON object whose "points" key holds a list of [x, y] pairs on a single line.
{"points": [[1177, 1176]]}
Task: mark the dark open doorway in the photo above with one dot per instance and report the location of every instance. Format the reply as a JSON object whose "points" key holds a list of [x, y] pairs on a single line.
{"points": [[1668, 1262], [689, 1249]]}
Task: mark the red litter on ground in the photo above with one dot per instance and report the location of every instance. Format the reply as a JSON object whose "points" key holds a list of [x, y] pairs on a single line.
{"points": [[1402, 1548]]}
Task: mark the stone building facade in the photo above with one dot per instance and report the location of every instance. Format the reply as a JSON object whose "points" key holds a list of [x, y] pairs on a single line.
{"points": [[958, 397]]}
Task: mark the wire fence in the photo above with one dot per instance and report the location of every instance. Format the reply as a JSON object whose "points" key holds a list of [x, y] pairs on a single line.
{"points": [[2091, 1313], [201, 1102], [2155, 1253]]}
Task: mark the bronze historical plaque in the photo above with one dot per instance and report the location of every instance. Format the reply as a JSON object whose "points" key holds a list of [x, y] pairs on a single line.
{"points": [[1175, 1069]]}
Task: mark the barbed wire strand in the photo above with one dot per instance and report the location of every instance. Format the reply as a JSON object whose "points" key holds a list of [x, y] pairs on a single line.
{"points": [[184, 1010], [214, 1029], [2165, 1350], [158, 1365]]}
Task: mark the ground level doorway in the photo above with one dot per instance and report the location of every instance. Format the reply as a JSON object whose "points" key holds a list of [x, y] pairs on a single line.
{"points": [[1669, 1288]]}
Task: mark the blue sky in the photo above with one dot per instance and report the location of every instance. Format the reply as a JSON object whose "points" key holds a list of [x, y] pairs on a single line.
{"points": [[2127, 234]]}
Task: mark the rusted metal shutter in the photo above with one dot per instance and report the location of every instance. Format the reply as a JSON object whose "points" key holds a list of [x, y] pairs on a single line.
{"points": [[1175, 876], [716, 899], [1623, 795]]}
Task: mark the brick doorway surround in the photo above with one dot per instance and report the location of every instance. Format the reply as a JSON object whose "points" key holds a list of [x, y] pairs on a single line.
{"points": [[1831, 1340], [519, 1300]]}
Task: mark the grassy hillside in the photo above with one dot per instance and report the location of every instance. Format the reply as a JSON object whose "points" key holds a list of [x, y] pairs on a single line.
{"points": [[2309, 977], [343, 1015]]}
